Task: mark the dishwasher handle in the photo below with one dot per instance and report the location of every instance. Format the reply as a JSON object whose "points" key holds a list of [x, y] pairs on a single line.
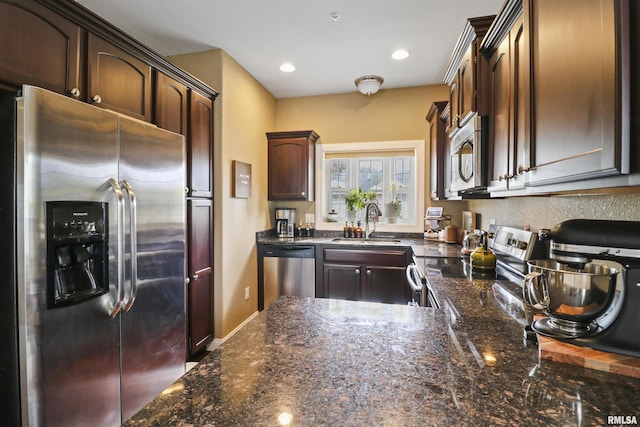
{"points": [[289, 251]]}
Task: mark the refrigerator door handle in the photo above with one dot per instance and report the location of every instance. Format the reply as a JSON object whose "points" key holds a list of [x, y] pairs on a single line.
{"points": [[120, 246], [126, 185]]}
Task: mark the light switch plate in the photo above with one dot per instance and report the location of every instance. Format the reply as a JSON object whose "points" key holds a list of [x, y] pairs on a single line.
{"points": [[309, 218]]}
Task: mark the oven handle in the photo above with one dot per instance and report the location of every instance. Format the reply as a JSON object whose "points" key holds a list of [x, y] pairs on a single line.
{"points": [[410, 277]]}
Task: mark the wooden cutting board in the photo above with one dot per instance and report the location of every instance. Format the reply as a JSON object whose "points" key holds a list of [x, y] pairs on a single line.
{"points": [[562, 352]]}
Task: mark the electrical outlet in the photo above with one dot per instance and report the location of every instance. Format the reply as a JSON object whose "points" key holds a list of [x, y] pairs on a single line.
{"points": [[246, 293]]}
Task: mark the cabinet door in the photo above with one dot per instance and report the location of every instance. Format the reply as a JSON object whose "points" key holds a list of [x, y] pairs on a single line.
{"points": [[200, 146], [386, 284], [117, 80], [467, 87], [342, 281], [454, 99], [38, 47], [200, 268], [438, 143], [171, 104], [500, 116], [579, 89], [288, 169]]}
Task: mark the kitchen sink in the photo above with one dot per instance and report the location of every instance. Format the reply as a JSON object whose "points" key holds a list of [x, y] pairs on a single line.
{"points": [[368, 241]]}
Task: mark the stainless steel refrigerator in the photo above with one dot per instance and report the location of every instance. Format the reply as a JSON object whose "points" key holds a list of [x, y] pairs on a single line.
{"points": [[99, 262]]}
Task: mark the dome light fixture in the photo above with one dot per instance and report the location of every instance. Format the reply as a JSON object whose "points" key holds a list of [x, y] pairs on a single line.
{"points": [[368, 85]]}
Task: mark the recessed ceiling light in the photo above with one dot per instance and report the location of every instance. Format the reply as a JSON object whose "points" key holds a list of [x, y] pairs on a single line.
{"points": [[400, 54], [287, 68]]}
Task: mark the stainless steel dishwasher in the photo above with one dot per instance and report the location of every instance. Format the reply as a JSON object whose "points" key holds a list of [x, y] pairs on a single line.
{"points": [[288, 270]]}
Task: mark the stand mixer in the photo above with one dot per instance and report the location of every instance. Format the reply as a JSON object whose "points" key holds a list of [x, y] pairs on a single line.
{"points": [[590, 286]]}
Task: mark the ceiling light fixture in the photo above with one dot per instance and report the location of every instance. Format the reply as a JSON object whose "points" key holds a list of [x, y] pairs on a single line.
{"points": [[368, 85], [287, 68], [400, 54]]}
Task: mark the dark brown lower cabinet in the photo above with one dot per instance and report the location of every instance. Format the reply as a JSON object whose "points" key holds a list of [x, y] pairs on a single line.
{"points": [[200, 270], [374, 275]]}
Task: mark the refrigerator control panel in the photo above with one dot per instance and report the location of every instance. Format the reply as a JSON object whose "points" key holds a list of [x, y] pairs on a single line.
{"points": [[77, 243]]}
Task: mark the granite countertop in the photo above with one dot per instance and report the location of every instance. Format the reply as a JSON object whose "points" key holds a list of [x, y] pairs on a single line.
{"points": [[328, 362]]}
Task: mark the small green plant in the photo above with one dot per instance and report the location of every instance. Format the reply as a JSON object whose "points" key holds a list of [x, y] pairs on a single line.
{"points": [[394, 187], [358, 198], [397, 206]]}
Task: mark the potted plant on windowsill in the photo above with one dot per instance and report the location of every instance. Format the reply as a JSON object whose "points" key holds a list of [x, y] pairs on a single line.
{"points": [[356, 200], [393, 209]]}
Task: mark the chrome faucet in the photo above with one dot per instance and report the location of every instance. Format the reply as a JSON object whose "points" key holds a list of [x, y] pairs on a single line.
{"points": [[371, 215]]}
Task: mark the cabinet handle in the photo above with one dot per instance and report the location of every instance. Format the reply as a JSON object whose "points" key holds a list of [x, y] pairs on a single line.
{"points": [[303, 194], [187, 281], [368, 272], [502, 177], [186, 190], [196, 277], [96, 99], [357, 271], [522, 169], [75, 92], [194, 190]]}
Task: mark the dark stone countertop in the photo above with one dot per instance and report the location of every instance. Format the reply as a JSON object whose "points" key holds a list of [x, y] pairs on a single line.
{"points": [[330, 362]]}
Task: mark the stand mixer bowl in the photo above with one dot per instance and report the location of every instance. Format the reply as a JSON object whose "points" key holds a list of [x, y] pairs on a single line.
{"points": [[573, 298]]}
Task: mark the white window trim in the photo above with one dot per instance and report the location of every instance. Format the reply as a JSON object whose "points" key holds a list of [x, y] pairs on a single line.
{"points": [[416, 145]]}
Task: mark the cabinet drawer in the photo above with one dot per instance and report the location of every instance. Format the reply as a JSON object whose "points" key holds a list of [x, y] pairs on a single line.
{"points": [[388, 257]]}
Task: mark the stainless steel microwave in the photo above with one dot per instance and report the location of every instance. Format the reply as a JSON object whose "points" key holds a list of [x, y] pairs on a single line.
{"points": [[468, 156]]}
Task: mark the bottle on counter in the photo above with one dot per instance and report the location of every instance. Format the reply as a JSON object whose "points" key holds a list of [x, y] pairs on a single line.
{"points": [[358, 231]]}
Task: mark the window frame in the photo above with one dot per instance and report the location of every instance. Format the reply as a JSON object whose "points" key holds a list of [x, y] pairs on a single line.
{"points": [[369, 149]]}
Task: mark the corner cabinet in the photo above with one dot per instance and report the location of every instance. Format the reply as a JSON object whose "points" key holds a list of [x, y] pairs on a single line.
{"points": [[374, 275], [291, 164]]}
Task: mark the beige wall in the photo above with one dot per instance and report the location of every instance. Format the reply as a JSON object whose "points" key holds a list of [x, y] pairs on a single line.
{"points": [[244, 110], [389, 115]]}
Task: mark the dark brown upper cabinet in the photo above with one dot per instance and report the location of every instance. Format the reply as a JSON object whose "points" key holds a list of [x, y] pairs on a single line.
{"points": [[39, 47], [117, 80], [200, 147], [291, 165], [507, 47], [467, 75], [438, 149], [172, 103], [580, 89]]}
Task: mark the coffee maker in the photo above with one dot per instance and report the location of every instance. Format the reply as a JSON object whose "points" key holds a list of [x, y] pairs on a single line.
{"points": [[285, 222], [590, 286]]}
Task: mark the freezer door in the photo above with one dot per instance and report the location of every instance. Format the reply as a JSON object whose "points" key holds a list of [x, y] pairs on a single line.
{"points": [[152, 172], [69, 356]]}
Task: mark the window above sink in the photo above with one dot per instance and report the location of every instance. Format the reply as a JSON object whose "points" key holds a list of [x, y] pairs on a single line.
{"points": [[390, 169]]}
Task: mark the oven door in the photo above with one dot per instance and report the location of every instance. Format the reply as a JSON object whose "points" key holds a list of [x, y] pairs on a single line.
{"points": [[468, 156]]}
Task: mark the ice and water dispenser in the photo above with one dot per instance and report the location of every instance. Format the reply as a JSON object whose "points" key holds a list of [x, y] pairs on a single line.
{"points": [[77, 252]]}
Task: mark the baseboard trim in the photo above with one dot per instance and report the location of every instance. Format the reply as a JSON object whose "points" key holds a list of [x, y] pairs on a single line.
{"points": [[217, 342]]}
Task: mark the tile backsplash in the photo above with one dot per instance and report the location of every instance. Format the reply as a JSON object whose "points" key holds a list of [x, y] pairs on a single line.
{"points": [[547, 211]]}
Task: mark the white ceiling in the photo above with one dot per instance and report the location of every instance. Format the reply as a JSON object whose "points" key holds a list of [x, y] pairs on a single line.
{"points": [[328, 55]]}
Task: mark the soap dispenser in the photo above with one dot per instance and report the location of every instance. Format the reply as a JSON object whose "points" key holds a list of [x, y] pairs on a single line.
{"points": [[483, 258]]}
